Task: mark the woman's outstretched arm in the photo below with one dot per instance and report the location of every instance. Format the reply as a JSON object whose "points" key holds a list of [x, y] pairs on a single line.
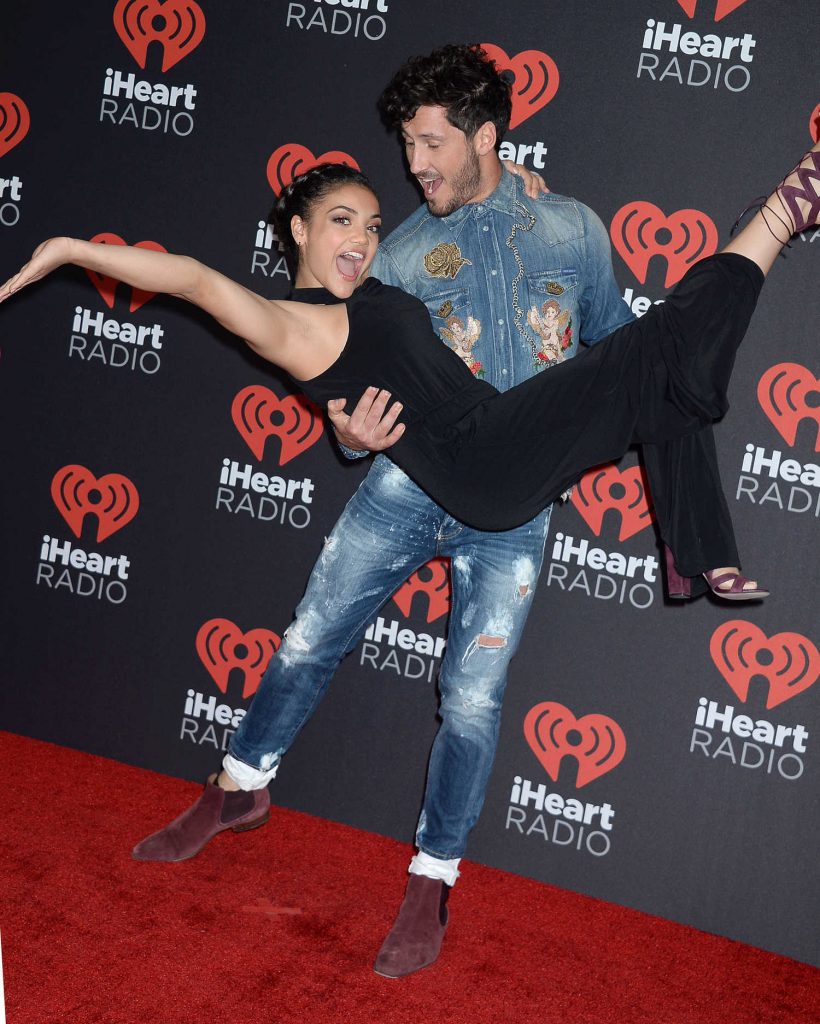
{"points": [[279, 332]]}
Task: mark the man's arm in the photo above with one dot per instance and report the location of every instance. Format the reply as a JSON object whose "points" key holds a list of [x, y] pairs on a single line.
{"points": [[371, 427], [601, 304]]}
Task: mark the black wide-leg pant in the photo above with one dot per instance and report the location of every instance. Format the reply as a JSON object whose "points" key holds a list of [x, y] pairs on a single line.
{"points": [[660, 381], [684, 478]]}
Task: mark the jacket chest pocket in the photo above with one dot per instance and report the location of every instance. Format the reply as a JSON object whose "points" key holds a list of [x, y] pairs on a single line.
{"points": [[549, 309], [451, 314]]}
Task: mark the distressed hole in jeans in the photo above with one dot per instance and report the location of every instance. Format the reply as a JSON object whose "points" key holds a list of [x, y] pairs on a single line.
{"points": [[296, 636], [485, 640]]}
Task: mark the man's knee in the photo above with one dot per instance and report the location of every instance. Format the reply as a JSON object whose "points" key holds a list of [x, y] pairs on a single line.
{"points": [[476, 696], [312, 630]]}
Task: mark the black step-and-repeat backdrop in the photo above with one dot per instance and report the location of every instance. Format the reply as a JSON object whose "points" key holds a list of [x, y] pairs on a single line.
{"points": [[165, 494]]}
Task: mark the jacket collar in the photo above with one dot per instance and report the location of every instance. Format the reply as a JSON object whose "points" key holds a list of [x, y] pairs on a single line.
{"points": [[501, 199]]}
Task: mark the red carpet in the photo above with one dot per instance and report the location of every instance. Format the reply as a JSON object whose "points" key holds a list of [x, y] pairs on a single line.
{"points": [[282, 925]]}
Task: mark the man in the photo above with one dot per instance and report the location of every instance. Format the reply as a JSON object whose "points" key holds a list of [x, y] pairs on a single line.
{"points": [[485, 259]]}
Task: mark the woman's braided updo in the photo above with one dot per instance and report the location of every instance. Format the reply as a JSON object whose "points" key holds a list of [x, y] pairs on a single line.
{"points": [[298, 198]]}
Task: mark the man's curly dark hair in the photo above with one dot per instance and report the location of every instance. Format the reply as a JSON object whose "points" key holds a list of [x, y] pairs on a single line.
{"points": [[460, 78]]}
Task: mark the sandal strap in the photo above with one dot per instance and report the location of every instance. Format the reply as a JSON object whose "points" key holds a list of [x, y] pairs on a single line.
{"points": [[738, 582], [809, 190]]}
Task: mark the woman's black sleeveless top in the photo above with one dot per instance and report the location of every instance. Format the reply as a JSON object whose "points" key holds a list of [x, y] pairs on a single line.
{"points": [[476, 452]]}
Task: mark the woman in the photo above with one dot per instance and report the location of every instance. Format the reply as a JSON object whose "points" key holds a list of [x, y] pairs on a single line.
{"points": [[477, 452]]}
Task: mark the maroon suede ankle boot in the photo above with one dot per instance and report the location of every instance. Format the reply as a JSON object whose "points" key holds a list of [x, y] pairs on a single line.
{"points": [[214, 812], [415, 939]]}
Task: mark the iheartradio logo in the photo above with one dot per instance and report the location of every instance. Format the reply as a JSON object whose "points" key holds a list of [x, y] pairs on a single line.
{"points": [[624, 491], [433, 581], [107, 286], [14, 121], [596, 742], [259, 414], [790, 393], [790, 662], [112, 498], [723, 7], [177, 25], [814, 124], [223, 647], [290, 160], [641, 230], [536, 80]]}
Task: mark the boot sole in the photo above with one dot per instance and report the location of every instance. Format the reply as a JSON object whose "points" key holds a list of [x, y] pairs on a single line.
{"points": [[406, 974], [256, 823], [247, 827]]}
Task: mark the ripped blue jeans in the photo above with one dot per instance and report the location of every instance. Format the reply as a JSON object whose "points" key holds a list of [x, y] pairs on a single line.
{"points": [[388, 530]]}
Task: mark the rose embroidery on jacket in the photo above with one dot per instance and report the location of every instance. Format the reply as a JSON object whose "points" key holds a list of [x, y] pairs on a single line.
{"points": [[445, 260]]}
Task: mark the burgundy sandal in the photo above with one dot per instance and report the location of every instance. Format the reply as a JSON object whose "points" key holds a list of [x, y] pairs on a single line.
{"points": [[680, 587], [790, 219], [735, 592], [808, 174]]}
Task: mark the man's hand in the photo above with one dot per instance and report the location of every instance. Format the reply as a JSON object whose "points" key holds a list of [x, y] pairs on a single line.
{"points": [[534, 184], [371, 427]]}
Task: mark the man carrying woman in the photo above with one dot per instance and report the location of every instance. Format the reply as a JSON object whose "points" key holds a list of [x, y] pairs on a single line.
{"points": [[479, 249]]}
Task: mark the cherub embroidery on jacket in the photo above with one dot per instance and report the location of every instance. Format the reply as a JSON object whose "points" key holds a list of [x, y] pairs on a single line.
{"points": [[554, 327], [462, 338]]}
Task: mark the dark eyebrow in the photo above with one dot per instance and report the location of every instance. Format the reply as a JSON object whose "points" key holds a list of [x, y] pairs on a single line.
{"points": [[424, 135], [349, 209]]}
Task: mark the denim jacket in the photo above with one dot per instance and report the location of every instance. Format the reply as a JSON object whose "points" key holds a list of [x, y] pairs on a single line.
{"points": [[511, 283]]}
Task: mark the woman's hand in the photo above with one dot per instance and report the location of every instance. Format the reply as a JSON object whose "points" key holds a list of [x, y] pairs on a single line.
{"points": [[534, 184], [53, 253], [46, 257]]}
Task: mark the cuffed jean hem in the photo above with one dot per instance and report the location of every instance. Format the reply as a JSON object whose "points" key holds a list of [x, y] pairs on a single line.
{"points": [[245, 776], [434, 867]]}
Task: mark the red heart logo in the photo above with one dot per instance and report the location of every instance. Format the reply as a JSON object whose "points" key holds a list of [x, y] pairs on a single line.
{"points": [[723, 8], [789, 661], [112, 498], [222, 646], [107, 286], [783, 393], [299, 421], [290, 160], [536, 80], [607, 487], [635, 228], [14, 121], [432, 580], [814, 124], [595, 741], [177, 25]]}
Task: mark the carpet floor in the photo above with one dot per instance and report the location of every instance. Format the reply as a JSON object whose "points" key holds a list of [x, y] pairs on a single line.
{"points": [[281, 925]]}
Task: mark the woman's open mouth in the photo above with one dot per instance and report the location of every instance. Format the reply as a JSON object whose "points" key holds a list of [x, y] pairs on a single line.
{"points": [[349, 265]]}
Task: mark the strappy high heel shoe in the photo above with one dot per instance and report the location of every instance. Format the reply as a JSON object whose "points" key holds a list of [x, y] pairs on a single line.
{"points": [[736, 591], [680, 587], [801, 184]]}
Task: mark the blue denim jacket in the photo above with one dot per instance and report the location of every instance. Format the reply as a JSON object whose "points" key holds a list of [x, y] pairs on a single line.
{"points": [[511, 283]]}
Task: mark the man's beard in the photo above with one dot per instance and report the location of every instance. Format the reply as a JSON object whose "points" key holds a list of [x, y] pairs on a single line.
{"points": [[464, 186]]}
